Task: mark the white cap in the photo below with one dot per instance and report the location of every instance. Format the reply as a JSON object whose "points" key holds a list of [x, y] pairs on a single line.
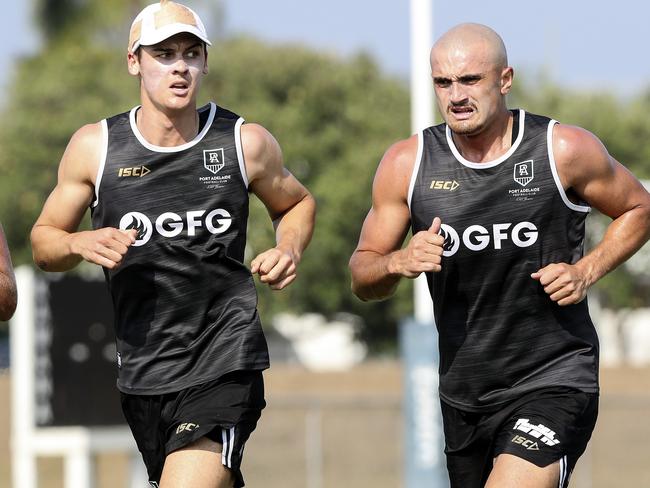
{"points": [[160, 21]]}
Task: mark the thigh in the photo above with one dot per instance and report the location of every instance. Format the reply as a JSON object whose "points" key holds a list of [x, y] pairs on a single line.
{"points": [[197, 465], [548, 432], [514, 472], [222, 413]]}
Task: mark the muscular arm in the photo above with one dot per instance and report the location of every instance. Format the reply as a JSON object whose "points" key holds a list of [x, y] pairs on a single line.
{"points": [[8, 296], [585, 167], [378, 263], [56, 244], [289, 203]]}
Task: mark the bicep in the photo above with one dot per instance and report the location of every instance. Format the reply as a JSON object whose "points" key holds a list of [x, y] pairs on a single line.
{"points": [[384, 229], [595, 176], [74, 190], [269, 180], [66, 205], [387, 222], [613, 190]]}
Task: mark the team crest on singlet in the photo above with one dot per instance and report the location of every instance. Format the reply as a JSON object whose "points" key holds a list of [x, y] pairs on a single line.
{"points": [[523, 172], [213, 160]]}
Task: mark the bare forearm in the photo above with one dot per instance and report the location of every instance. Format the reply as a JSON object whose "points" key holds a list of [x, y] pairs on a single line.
{"points": [[52, 249], [8, 296], [624, 236], [295, 227], [372, 275]]}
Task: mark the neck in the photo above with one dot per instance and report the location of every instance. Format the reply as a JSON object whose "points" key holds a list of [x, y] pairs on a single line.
{"points": [[489, 144], [167, 128]]}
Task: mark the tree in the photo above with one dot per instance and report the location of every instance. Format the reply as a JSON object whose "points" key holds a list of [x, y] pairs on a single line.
{"points": [[333, 118]]}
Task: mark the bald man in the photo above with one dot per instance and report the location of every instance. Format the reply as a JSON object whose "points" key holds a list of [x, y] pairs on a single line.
{"points": [[7, 281], [496, 200]]}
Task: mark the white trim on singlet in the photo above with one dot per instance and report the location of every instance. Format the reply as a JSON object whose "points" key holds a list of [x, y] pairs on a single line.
{"points": [[240, 151], [172, 149], [489, 164], [556, 176], [416, 167], [102, 161]]}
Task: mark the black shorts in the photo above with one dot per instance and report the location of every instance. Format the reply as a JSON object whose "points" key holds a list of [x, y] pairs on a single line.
{"points": [[542, 427], [225, 410]]}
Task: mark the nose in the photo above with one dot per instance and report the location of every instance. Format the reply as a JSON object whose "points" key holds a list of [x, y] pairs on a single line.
{"points": [[180, 66], [456, 93]]}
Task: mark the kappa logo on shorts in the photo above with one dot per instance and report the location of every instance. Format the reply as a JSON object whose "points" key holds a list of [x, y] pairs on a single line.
{"points": [[539, 431], [186, 427], [214, 160]]}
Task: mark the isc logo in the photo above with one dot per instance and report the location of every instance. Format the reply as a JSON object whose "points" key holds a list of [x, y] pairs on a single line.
{"points": [[477, 237], [138, 171], [170, 224], [528, 444], [444, 185]]}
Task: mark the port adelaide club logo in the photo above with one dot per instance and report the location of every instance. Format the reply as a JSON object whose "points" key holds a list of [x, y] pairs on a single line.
{"points": [[523, 172], [213, 160]]}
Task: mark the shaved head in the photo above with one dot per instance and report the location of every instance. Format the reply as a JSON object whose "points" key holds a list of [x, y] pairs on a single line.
{"points": [[466, 38], [471, 77]]}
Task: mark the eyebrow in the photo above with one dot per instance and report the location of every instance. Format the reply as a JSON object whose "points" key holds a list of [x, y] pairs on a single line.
{"points": [[461, 79], [167, 49]]}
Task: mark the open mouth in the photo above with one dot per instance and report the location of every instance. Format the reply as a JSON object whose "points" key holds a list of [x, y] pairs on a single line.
{"points": [[462, 112], [180, 87]]}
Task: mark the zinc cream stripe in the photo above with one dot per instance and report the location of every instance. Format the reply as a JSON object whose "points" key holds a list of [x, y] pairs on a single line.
{"points": [[102, 161], [240, 151], [416, 167], [556, 176]]}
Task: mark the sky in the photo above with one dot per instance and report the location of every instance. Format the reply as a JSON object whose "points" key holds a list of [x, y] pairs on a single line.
{"points": [[582, 44]]}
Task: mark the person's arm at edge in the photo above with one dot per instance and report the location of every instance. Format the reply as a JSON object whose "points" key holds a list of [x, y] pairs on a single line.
{"points": [[290, 205], [378, 263], [8, 293], [585, 166], [56, 244]]}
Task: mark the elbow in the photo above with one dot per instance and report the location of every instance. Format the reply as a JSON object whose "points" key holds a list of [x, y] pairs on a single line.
{"points": [[8, 308], [358, 292], [37, 254], [8, 301]]}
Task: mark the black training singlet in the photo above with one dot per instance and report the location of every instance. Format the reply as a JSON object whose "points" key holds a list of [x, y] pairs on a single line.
{"points": [[185, 304], [500, 335]]}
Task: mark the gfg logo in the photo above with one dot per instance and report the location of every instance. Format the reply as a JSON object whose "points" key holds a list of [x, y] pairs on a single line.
{"points": [[477, 237], [170, 224]]}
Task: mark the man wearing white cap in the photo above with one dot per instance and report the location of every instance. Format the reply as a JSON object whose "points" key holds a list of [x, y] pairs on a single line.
{"points": [[168, 186]]}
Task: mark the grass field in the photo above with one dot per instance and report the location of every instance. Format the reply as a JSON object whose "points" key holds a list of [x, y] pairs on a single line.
{"points": [[344, 430]]}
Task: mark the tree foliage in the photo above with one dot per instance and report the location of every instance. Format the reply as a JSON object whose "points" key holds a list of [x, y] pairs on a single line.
{"points": [[333, 117]]}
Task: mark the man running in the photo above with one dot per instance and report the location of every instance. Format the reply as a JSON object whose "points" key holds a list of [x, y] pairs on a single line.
{"points": [[168, 187], [496, 200]]}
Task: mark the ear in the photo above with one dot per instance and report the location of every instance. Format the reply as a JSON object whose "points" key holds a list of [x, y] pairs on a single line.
{"points": [[205, 64], [132, 63], [507, 75]]}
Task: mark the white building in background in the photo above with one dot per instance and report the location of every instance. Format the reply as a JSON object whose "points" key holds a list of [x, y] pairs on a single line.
{"points": [[317, 344]]}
